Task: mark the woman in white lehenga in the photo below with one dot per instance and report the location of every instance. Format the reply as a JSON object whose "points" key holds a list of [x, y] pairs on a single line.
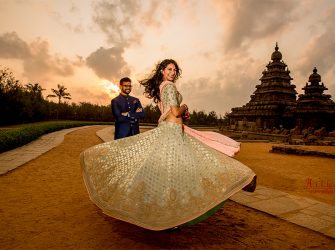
{"points": [[167, 176]]}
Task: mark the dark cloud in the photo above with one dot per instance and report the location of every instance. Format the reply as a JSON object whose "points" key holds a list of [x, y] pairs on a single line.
{"points": [[124, 21], [116, 20], [42, 61], [36, 57], [12, 46], [156, 14], [108, 63], [148, 16], [76, 28], [252, 20], [319, 51]]}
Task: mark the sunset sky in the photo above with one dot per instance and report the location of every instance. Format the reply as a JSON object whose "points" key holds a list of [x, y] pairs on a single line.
{"points": [[222, 46]]}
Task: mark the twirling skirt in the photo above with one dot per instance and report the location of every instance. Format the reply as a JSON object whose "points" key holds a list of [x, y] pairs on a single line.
{"points": [[161, 178]]}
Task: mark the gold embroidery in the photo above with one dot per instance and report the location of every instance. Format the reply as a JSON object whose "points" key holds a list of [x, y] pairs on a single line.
{"points": [[173, 195], [161, 178]]}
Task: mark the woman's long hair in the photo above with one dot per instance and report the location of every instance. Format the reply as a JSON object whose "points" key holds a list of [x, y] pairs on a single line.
{"points": [[151, 84]]}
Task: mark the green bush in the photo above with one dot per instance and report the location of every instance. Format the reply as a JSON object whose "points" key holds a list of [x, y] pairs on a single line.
{"points": [[16, 137]]}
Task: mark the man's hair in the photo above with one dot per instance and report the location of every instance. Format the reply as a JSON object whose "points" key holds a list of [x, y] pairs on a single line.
{"points": [[125, 79]]}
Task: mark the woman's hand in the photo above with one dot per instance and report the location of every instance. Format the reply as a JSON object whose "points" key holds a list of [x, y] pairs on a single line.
{"points": [[186, 116], [178, 111]]}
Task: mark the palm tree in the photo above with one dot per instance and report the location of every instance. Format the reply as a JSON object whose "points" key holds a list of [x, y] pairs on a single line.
{"points": [[36, 89], [60, 93]]}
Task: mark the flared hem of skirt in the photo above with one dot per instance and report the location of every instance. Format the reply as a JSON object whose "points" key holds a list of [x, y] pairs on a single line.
{"points": [[117, 214]]}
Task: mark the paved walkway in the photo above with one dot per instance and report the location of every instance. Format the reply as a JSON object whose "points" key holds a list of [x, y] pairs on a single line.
{"points": [[302, 211], [19, 156]]}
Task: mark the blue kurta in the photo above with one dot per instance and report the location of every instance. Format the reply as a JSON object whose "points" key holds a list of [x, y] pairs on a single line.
{"points": [[126, 125]]}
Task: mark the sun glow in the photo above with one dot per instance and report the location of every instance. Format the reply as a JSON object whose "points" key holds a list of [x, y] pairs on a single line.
{"points": [[110, 88]]}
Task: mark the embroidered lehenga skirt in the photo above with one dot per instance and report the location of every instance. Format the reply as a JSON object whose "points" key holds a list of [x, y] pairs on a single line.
{"points": [[161, 178]]}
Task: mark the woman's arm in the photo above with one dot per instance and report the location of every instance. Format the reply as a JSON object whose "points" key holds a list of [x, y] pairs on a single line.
{"points": [[170, 99]]}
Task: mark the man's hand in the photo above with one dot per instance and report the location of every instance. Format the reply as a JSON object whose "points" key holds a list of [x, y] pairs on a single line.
{"points": [[139, 110], [124, 113]]}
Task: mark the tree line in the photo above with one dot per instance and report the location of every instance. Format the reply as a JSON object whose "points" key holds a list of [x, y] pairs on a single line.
{"points": [[25, 104]]}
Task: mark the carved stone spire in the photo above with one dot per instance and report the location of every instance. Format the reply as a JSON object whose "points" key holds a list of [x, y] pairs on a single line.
{"points": [[314, 108], [274, 100]]}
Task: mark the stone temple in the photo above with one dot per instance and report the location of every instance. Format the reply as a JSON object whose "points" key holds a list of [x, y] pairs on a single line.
{"points": [[274, 103], [314, 108]]}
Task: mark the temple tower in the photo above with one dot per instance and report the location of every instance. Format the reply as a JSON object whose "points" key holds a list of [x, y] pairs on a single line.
{"points": [[314, 108], [274, 101]]}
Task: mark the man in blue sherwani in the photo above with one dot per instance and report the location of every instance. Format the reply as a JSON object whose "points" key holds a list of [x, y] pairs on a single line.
{"points": [[127, 111]]}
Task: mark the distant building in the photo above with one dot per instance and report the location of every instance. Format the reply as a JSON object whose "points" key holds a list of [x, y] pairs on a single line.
{"points": [[274, 104]]}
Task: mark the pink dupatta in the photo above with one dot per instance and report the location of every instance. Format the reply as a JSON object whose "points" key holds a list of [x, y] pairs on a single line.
{"points": [[214, 140]]}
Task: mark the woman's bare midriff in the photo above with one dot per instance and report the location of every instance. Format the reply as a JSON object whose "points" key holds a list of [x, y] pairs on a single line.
{"points": [[172, 118]]}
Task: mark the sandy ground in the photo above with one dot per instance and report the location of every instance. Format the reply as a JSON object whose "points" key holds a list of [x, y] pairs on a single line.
{"points": [[308, 176], [44, 205]]}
